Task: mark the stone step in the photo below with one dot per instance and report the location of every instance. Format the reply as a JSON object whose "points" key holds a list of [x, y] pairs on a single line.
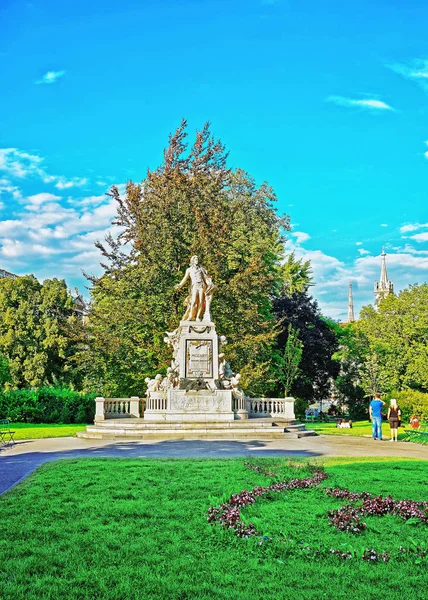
{"points": [[185, 435], [295, 427], [196, 431], [140, 424], [306, 433]]}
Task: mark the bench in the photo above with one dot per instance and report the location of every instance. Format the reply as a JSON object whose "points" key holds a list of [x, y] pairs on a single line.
{"points": [[419, 435], [6, 435]]}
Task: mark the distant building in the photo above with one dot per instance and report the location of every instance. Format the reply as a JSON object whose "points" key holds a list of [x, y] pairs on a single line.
{"points": [[383, 287], [80, 306], [4, 273], [351, 317]]}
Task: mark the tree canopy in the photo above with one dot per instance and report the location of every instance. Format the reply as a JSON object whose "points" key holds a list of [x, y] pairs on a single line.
{"points": [[39, 333], [317, 366], [393, 342], [192, 204]]}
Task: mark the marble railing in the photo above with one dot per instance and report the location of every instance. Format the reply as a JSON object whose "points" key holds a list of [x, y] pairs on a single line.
{"points": [[116, 408], [157, 401], [239, 402], [271, 407]]}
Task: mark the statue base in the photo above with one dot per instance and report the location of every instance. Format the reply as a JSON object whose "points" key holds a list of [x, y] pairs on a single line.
{"points": [[192, 406]]}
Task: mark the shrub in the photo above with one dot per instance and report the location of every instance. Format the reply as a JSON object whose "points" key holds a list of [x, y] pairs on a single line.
{"points": [[411, 402], [47, 405]]}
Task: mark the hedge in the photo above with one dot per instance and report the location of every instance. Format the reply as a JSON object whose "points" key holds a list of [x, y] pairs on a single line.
{"points": [[411, 403], [47, 405]]}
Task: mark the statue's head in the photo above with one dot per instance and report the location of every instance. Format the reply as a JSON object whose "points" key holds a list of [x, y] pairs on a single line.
{"points": [[194, 261]]}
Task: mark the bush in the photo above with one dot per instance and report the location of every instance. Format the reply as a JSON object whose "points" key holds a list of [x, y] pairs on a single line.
{"points": [[300, 406], [47, 405], [411, 402]]}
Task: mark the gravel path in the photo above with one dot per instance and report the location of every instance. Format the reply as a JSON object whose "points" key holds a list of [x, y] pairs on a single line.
{"points": [[21, 459]]}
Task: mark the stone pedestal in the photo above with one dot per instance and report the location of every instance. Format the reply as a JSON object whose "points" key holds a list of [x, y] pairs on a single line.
{"points": [[198, 351], [99, 409], [192, 406]]}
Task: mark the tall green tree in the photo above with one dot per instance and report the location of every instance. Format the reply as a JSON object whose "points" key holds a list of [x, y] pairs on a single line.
{"points": [[395, 338], [296, 275], [291, 359], [192, 204], [39, 332], [317, 365], [347, 384]]}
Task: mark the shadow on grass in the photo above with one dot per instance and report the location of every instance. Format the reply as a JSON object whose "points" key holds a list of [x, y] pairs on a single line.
{"points": [[16, 467]]}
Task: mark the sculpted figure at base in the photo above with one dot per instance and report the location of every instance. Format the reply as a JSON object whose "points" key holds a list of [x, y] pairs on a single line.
{"points": [[153, 385], [173, 341], [201, 291]]}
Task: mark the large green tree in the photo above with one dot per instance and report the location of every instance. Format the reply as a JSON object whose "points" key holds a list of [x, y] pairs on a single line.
{"points": [[393, 342], [192, 204], [319, 340], [39, 331]]}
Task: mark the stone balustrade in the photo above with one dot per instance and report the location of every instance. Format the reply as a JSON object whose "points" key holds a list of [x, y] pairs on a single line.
{"points": [[271, 407], [157, 401], [242, 407], [115, 408]]}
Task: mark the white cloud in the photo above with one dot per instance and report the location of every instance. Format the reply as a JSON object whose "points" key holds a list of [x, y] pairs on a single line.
{"points": [[332, 276], [301, 236], [420, 237], [19, 164], [63, 184], [416, 71], [370, 104], [359, 243], [50, 77], [39, 199], [413, 227], [384, 224]]}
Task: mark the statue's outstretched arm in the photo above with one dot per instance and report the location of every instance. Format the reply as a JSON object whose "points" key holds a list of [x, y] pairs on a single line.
{"points": [[183, 281]]}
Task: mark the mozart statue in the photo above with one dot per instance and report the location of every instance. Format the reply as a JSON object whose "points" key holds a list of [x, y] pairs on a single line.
{"points": [[198, 302]]}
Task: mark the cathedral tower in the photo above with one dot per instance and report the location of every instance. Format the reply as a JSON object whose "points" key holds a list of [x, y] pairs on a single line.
{"points": [[383, 287], [351, 317]]}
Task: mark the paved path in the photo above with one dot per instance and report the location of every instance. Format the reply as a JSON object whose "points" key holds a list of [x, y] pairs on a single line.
{"points": [[18, 461]]}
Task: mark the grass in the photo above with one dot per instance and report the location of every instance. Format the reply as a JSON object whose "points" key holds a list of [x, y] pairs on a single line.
{"points": [[359, 428], [30, 431], [137, 529]]}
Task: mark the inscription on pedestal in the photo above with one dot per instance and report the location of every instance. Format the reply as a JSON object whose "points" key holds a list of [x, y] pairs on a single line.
{"points": [[199, 358]]}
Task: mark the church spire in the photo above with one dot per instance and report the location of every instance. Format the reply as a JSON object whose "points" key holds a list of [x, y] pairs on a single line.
{"points": [[351, 317], [383, 287]]}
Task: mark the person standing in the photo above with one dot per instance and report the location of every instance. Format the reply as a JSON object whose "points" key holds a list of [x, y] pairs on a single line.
{"points": [[375, 412], [394, 415]]}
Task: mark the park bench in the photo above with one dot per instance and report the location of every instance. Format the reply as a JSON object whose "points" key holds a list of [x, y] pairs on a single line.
{"points": [[419, 435], [6, 435]]}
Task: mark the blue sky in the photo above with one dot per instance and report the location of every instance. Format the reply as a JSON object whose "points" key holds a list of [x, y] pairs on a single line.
{"points": [[327, 101]]}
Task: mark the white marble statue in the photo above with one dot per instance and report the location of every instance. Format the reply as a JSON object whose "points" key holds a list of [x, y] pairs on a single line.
{"points": [[237, 391], [201, 291], [153, 385], [225, 373], [173, 340], [170, 380]]}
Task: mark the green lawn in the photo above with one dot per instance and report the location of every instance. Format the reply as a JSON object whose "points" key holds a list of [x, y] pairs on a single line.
{"points": [[29, 431], [359, 428], [137, 529]]}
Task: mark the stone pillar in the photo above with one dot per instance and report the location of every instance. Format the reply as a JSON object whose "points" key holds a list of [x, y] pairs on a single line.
{"points": [[198, 350], [134, 407], [99, 409]]}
